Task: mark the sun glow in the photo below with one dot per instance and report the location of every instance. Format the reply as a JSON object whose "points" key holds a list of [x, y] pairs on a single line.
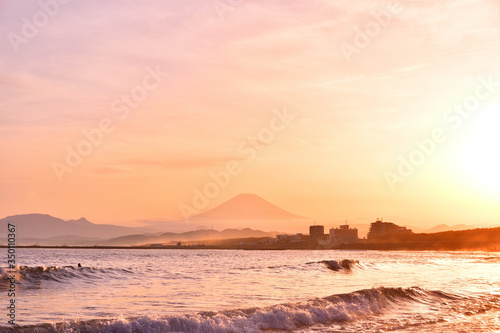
{"points": [[480, 155]]}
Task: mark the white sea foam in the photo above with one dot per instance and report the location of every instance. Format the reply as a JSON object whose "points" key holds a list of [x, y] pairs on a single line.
{"points": [[343, 308]]}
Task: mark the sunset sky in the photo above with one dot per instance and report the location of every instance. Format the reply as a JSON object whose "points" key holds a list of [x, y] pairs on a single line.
{"points": [[324, 108]]}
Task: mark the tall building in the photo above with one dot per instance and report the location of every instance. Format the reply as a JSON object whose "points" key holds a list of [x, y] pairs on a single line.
{"points": [[381, 229], [316, 231], [343, 234]]}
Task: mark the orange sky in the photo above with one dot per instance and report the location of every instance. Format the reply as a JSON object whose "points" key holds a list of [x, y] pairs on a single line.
{"points": [[313, 105]]}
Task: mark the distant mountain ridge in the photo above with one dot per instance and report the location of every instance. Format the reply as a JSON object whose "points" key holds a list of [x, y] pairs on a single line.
{"points": [[46, 226], [248, 211]]}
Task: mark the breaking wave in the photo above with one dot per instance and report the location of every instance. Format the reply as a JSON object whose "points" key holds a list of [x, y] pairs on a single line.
{"points": [[335, 265], [35, 275], [345, 265], [342, 308]]}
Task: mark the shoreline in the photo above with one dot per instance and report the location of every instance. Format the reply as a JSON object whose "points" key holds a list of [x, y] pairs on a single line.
{"points": [[416, 247]]}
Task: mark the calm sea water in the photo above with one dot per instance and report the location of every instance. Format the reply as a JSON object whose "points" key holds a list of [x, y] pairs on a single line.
{"points": [[252, 291]]}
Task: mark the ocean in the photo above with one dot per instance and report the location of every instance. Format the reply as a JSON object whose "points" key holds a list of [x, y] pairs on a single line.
{"points": [[157, 290]]}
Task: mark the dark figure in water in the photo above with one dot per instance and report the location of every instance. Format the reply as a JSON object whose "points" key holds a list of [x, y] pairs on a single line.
{"points": [[79, 265]]}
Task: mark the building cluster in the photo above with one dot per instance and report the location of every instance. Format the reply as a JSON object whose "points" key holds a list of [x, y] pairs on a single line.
{"points": [[381, 229], [344, 234], [317, 237]]}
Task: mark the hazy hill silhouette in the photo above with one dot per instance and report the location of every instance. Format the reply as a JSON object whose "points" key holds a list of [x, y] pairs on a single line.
{"points": [[45, 226], [445, 227], [197, 235]]}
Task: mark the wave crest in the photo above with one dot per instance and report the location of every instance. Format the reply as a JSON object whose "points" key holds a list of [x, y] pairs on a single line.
{"points": [[37, 274], [345, 265], [332, 309]]}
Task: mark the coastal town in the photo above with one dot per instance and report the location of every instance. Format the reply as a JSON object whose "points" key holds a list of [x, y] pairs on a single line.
{"points": [[381, 236], [336, 238], [339, 237]]}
